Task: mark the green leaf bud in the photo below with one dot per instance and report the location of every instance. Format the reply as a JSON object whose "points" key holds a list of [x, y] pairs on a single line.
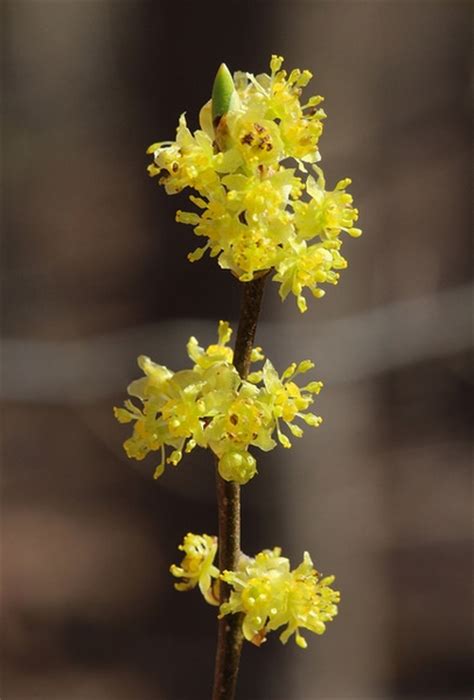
{"points": [[223, 93]]}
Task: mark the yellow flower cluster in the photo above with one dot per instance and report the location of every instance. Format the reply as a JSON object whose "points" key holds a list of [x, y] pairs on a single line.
{"points": [[197, 567], [265, 589], [210, 406], [271, 595], [263, 202]]}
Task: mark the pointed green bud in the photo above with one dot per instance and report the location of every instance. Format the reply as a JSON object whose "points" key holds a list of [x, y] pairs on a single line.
{"points": [[223, 91]]}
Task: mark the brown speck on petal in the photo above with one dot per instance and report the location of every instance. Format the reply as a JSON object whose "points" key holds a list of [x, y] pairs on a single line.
{"points": [[259, 638]]}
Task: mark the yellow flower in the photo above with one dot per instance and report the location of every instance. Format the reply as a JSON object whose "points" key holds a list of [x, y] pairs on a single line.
{"points": [[326, 214], [264, 589], [252, 214], [217, 352], [271, 595], [187, 162], [197, 568], [210, 406], [287, 401]]}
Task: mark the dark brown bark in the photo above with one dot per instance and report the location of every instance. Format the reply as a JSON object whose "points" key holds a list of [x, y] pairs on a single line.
{"points": [[229, 638]]}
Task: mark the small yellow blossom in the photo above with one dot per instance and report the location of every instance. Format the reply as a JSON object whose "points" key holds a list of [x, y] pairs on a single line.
{"points": [[271, 595], [262, 201], [197, 568], [211, 406], [287, 400], [265, 589]]}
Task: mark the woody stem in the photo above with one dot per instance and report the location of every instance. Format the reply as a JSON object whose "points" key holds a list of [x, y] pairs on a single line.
{"points": [[229, 637]]}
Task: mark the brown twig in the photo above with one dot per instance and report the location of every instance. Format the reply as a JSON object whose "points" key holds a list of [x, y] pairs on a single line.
{"points": [[229, 637]]}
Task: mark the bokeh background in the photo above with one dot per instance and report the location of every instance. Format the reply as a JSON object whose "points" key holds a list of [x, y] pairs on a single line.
{"points": [[95, 273]]}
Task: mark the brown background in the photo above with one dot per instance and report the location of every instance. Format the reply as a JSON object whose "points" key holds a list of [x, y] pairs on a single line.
{"points": [[95, 273]]}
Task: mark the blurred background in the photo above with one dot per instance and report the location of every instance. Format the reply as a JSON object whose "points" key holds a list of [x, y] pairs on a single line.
{"points": [[95, 273]]}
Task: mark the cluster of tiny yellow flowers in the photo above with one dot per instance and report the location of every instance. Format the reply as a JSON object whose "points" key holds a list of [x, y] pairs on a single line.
{"points": [[210, 406], [264, 589], [261, 207], [263, 201]]}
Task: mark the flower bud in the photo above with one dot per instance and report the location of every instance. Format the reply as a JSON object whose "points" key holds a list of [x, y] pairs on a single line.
{"points": [[237, 466]]}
